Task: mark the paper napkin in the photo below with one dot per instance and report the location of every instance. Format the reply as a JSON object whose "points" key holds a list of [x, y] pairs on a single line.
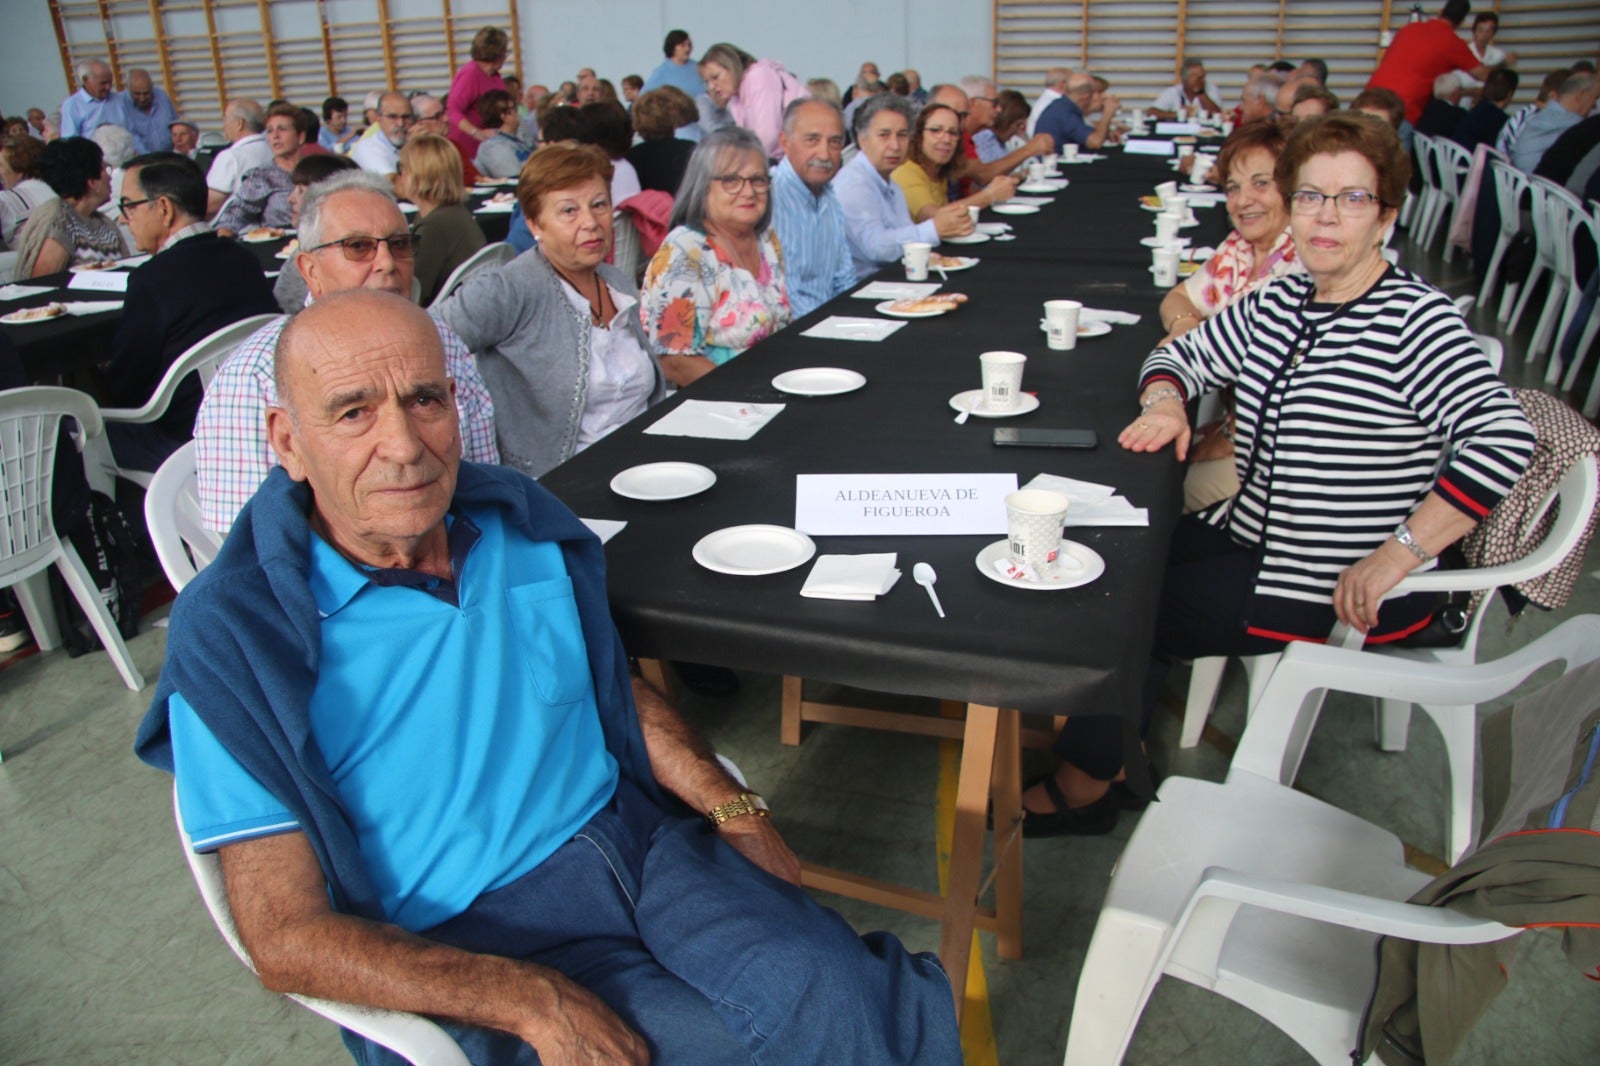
{"points": [[1092, 504], [1115, 318], [92, 307], [851, 577], [842, 328], [896, 290], [604, 528], [716, 420], [19, 292]]}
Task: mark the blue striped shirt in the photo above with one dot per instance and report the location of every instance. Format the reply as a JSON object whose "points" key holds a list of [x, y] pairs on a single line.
{"points": [[816, 253], [877, 220]]}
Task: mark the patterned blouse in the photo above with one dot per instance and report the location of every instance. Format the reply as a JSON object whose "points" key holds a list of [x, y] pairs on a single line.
{"points": [[1233, 271], [697, 302]]}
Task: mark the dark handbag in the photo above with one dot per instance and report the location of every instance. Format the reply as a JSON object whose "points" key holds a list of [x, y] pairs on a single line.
{"points": [[113, 551]]}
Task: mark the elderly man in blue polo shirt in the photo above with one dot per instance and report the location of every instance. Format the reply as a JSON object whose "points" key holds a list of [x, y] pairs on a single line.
{"points": [[877, 220], [1066, 122], [94, 104], [398, 707], [805, 210], [149, 112]]}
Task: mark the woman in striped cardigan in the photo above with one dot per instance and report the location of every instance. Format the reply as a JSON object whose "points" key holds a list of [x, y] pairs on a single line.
{"points": [[1371, 435]]}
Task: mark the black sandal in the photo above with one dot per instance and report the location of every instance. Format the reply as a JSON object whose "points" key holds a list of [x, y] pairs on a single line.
{"points": [[1093, 819]]}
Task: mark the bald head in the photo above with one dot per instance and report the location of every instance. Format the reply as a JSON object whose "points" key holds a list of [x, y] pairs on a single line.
{"points": [[1056, 78], [366, 416], [950, 96]]}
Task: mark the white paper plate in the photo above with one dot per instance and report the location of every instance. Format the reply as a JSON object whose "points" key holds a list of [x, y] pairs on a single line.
{"points": [[963, 262], [818, 381], [16, 318], [289, 250], [1014, 209], [994, 229], [1085, 329], [1197, 188], [885, 309], [95, 268], [971, 238], [249, 239], [1047, 185], [1092, 567], [749, 551], [963, 400], [663, 481]]}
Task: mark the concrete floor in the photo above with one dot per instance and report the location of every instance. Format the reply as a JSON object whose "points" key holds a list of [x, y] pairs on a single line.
{"points": [[106, 954]]}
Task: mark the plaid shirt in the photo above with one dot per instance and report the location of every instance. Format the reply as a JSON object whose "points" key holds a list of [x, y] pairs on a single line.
{"points": [[232, 456]]}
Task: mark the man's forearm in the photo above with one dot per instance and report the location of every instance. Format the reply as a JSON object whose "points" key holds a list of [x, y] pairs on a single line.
{"points": [[683, 763]]}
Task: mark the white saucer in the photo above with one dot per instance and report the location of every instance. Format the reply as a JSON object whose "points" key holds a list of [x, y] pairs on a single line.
{"points": [[1156, 242], [961, 401], [1092, 566], [994, 229], [1047, 185], [663, 481], [1085, 329], [971, 238], [818, 381], [1014, 209], [248, 239], [1197, 188], [963, 262], [748, 551], [885, 308], [86, 268]]}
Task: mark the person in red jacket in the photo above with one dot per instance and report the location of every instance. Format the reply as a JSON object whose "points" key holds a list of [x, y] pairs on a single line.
{"points": [[1422, 51]]}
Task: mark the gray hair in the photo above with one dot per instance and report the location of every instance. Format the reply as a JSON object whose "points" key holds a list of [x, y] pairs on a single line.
{"points": [[710, 156], [116, 144], [1263, 87], [86, 67], [318, 193], [794, 107], [883, 102], [1582, 81], [1446, 84], [248, 112], [1189, 63], [421, 98], [824, 89], [977, 85], [1056, 75]]}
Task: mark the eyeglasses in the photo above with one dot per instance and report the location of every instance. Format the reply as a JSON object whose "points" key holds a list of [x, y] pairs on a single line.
{"points": [[406, 117], [125, 203], [733, 184], [435, 117], [1349, 202], [981, 99], [362, 249]]}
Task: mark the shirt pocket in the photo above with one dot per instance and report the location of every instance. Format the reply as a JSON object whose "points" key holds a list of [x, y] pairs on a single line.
{"points": [[544, 620]]}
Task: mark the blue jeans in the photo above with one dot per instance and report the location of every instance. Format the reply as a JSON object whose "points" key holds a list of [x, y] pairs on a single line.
{"points": [[706, 956]]}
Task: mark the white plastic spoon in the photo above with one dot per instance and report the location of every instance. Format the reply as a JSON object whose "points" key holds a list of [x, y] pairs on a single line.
{"points": [[923, 575]]}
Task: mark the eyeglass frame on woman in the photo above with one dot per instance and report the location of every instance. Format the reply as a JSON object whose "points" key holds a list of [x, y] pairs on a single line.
{"points": [[400, 245], [1300, 201], [733, 184]]}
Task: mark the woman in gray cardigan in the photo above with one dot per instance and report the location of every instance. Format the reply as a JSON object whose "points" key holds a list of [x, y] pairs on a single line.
{"points": [[556, 331]]}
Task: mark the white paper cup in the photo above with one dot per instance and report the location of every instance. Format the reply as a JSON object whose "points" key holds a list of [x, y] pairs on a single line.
{"points": [[1227, 127], [1002, 380], [1036, 171], [1167, 223], [1178, 205], [1202, 166], [1034, 518], [1069, 151], [1164, 263], [1061, 324], [916, 259], [972, 213], [1167, 190]]}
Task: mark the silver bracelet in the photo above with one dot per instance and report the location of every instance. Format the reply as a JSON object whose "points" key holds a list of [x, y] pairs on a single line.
{"points": [[1402, 533], [1158, 396]]}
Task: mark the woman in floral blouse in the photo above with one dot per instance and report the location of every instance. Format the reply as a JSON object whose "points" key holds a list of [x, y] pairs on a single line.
{"points": [[716, 285]]}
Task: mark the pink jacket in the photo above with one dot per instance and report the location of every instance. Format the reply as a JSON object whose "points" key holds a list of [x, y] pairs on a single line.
{"points": [[764, 91]]}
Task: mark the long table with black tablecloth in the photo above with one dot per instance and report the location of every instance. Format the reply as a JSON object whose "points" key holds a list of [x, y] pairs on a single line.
{"points": [[1000, 650]]}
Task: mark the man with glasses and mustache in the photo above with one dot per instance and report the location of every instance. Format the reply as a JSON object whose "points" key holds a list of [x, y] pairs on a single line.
{"points": [[352, 236], [196, 283], [805, 209], [380, 153]]}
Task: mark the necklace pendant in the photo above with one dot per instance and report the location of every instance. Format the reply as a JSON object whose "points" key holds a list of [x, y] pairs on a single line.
{"points": [[1299, 357]]}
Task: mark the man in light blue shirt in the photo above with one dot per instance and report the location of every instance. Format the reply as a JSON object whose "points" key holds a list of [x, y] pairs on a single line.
{"points": [[877, 220], [94, 104], [149, 113], [805, 211], [1578, 94]]}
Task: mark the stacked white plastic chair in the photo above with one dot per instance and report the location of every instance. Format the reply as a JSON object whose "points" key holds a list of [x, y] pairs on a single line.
{"points": [[1267, 896], [1584, 229], [1512, 196]]}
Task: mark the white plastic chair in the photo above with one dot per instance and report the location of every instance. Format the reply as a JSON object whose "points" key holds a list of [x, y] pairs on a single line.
{"points": [[203, 358], [1267, 896], [1511, 193], [1575, 496], [30, 419], [172, 514], [1561, 218], [489, 256], [1585, 227], [1450, 164], [1549, 236], [1428, 197], [408, 1035]]}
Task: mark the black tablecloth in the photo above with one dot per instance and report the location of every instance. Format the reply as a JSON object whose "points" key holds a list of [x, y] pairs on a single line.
{"points": [[1072, 651]]}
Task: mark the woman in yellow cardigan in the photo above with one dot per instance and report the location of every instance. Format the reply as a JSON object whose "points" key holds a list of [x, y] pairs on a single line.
{"points": [[935, 160]]}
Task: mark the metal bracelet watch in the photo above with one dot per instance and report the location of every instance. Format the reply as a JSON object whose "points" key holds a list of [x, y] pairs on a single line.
{"points": [[1402, 533], [744, 803], [1160, 395]]}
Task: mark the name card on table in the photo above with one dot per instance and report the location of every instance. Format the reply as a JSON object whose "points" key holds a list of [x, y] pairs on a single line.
{"points": [[1174, 129], [901, 505], [100, 281], [1147, 147]]}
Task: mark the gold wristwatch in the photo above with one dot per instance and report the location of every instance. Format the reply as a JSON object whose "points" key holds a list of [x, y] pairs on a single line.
{"points": [[745, 803]]}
